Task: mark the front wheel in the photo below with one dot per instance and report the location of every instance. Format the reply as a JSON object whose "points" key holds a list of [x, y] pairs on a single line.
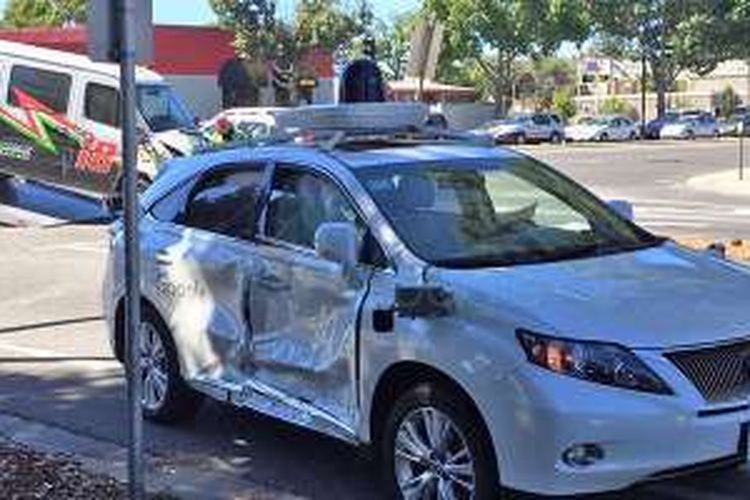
{"points": [[556, 138], [435, 446]]}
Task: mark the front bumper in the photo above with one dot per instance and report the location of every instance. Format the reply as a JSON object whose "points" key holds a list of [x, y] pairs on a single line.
{"points": [[644, 437]]}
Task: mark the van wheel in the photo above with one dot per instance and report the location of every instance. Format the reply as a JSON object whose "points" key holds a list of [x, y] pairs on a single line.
{"points": [[434, 446], [166, 396]]}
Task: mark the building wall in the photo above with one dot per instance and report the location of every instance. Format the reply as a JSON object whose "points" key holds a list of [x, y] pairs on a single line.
{"points": [[201, 93]]}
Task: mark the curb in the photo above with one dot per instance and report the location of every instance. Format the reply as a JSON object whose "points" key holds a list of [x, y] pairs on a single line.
{"points": [[205, 480]]}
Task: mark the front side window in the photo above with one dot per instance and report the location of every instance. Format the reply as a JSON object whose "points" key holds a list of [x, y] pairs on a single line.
{"points": [[102, 104], [162, 108], [225, 202], [500, 213], [50, 88], [300, 202]]}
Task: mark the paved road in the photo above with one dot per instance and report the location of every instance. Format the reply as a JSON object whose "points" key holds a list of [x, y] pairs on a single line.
{"points": [[653, 177], [55, 365]]}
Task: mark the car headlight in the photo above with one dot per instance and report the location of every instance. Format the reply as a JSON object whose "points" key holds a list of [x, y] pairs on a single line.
{"points": [[597, 362]]}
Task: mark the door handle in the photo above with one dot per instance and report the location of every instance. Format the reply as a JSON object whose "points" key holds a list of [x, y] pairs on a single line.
{"points": [[273, 283], [163, 259]]}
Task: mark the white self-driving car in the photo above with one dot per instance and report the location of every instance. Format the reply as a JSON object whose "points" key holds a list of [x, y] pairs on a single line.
{"points": [[690, 127], [478, 318]]}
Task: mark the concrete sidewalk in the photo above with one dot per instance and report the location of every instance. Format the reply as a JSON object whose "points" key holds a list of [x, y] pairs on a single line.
{"points": [[183, 480], [724, 183]]}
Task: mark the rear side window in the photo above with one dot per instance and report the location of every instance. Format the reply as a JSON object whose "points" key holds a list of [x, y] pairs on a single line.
{"points": [[50, 88], [226, 202], [102, 104]]}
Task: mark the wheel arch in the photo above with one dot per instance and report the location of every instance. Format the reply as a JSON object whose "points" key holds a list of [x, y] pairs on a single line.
{"points": [[119, 337], [402, 376]]}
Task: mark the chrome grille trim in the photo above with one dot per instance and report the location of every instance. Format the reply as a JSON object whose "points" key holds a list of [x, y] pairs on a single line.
{"points": [[720, 373]]}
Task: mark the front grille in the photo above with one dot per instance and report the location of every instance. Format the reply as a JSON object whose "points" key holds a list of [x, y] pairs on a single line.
{"points": [[720, 373]]}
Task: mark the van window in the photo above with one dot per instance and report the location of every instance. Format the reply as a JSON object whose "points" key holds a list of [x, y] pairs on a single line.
{"points": [[102, 104], [48, 87]]}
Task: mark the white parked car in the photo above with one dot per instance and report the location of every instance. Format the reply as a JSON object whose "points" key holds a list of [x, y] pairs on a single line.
{"points": [[523, 128], [246, 123], [606, 128], [690, 127], [476, 317]]}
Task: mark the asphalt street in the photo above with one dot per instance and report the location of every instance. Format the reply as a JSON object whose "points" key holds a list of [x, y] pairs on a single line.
{"points": [[56, 367]]}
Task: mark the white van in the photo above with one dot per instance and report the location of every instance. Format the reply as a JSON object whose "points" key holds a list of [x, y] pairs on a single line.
{"points": [[60, 119]]}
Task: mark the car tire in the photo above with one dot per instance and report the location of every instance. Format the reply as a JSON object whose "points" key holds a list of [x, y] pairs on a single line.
{"points": [[603, 137], [690, 135], [632, 136], [555, 138], [463, 435], [176, 402], [521, 139]]}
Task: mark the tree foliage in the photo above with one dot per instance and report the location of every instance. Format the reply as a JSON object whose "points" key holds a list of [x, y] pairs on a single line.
{"points": [[495, 34], [256, 32], [27, 13], [673, 35]]}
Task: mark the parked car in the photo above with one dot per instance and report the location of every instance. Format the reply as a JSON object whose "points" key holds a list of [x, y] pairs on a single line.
{"points": [[653, 127], [606, 128], [731, 126], [522, 128], [241, 124], [690, 127], [60, 120], [476, 317]]}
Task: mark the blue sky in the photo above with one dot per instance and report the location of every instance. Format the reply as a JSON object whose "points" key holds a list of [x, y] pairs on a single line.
{"points": [[198, 11]]}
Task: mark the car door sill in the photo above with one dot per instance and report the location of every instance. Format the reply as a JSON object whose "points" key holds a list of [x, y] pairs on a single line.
{"points": [[262, 398]]}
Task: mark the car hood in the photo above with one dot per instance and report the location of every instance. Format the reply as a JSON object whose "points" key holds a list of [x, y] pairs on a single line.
{"points": [[506, 129], [583, 130], [674, 128], [655, 298]]}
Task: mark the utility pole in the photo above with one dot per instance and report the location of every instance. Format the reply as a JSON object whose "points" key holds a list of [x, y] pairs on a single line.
{"points": [[136, 486], [122, 31]]}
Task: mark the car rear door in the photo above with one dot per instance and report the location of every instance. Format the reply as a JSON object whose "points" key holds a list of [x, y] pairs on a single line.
{"points": [[303, 308], [198, 257]]}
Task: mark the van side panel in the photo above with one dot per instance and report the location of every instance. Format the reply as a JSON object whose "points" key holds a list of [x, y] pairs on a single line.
{"points": [[40, 139]]}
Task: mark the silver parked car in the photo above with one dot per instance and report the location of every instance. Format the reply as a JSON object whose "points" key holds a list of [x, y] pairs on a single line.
{"points": [[523, 128], [475, 316]]}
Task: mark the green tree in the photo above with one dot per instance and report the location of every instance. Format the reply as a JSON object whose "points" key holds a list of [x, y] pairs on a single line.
{"points": [[328, 25], [563, 104], [496, 34], [672, 35], [256, 32], [27, 13], [726, 101], [393, 44]]}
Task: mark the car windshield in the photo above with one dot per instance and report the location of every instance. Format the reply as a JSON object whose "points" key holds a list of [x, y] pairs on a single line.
{"points": [[515, 120], [162, 108], [497, 214]]}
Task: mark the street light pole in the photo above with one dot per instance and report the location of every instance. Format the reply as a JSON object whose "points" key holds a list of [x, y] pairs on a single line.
{"points": [[127, 54]]}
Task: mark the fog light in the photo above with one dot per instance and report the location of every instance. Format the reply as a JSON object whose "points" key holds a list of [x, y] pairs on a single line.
{"points": [[583, 455]]}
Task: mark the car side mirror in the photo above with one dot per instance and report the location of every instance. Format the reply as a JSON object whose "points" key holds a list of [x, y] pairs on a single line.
{"points": [[623, 208], [337, 242]]}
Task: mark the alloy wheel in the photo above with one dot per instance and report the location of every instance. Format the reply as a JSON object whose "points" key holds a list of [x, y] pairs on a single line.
{"points": [[154, 368], [432, 458]]}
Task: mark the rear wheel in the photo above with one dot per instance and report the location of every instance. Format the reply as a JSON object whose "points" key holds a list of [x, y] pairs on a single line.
{"points": [[521, 138], [604, 137], [435, 446], [166, 396], [556, 138]]}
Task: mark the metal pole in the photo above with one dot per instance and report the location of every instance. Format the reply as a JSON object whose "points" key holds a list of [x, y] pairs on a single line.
{"points": [[742, 153], [643, 95], [136, 488]]}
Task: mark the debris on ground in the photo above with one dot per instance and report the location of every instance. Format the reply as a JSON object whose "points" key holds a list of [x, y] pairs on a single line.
{"points": [[27, 474]]}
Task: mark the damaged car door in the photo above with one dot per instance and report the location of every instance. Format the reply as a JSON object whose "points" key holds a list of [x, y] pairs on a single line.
{"points": [[201, 261], [304, 307]]}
